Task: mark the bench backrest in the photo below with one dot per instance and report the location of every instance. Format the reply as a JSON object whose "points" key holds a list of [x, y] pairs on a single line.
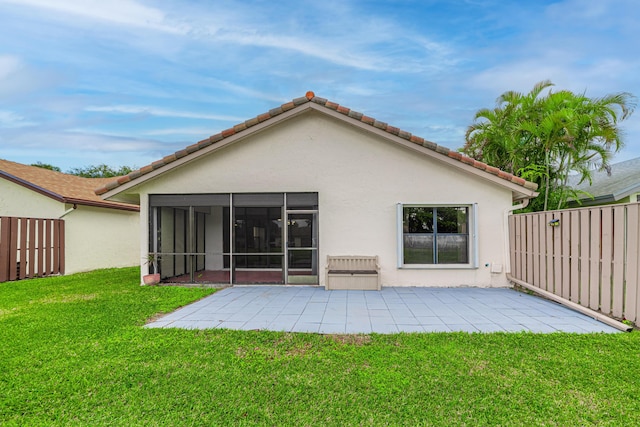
{"points": [[352, 263]]}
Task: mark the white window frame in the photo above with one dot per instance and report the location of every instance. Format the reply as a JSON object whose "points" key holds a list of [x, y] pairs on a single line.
{"points": [[473, 236]]}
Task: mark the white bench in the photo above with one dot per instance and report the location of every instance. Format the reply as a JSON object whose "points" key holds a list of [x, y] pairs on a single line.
{"points": [[353, 272]]}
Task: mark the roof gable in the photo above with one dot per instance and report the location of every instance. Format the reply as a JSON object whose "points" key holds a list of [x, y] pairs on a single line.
{"points": [[59, 186], [521, 188]]}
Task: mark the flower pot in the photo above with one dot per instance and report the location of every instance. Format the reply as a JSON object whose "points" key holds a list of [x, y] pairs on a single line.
{"points": [[151, 279]]}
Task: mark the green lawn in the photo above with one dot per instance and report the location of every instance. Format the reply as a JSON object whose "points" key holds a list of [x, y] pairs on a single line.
{"points": [[73, 352]]}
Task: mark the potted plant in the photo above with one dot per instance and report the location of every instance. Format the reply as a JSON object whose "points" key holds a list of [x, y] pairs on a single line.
{"points": [[152, 279]]}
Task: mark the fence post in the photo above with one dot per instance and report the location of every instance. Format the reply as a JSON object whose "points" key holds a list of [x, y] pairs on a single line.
{"points": [[574, 255], [32, 248], [22, 266], [617, 276], [606, 251], [41, 251], [13, 248], [585, 231], [62, 248], [632, 296], [5, 233]]}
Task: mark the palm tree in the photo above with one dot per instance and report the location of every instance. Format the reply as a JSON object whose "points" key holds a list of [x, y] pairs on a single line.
{"points": [[591, 135], [546, 138], [498, 139]]}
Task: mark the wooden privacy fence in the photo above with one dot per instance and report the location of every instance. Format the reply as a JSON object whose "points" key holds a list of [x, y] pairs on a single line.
{"points": [[587, 255], [30, 247]]}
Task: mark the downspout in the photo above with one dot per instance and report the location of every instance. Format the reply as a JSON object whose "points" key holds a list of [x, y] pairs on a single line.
{"points": [[68, 211]]}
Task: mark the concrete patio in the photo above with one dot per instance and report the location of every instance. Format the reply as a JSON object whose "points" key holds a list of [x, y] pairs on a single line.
{"points": [[392, 310]]}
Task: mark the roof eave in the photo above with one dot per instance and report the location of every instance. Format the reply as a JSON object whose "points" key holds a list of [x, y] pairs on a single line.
{"points": [[625, 192], [97, 204], [600, 200], [63, 199], [32, 186], [608, 198]]}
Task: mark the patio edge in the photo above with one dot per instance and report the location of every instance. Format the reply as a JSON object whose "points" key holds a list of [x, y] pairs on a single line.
{"points": [[572, 305]]}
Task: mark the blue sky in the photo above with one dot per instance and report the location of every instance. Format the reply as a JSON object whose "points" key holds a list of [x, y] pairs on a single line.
{"points": [[125, 82]]}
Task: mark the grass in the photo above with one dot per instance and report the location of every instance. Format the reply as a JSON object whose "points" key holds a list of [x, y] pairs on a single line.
{"points": [[73, 352]]}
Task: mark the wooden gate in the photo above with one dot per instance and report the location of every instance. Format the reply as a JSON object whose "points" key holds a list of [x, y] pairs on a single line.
{"points": [[30, 247], [589, 256]]}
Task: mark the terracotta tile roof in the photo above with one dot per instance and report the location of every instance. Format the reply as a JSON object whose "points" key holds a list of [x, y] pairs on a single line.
{"points": [[60, 186], [311, 97]]}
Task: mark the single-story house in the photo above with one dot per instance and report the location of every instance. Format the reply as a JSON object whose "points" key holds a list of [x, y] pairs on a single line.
{"points": [[268, 200], [620, 183], [98, 233]]}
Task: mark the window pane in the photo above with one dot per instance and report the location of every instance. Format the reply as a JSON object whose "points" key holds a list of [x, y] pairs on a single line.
{"points": [[240, 230], [452, 220], [258, 199], [275, 261], [453, 249], [418, 248], [307, 201], [257, 261], [189, 200], [300, 230], [258, 230], [301, 259], [418, 220]]}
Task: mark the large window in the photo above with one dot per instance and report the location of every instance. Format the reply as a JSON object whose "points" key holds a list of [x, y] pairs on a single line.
{"points": [[435, 235]]}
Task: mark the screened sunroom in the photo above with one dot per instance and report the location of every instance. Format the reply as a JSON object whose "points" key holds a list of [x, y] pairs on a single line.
{"points": [[235, 238]]}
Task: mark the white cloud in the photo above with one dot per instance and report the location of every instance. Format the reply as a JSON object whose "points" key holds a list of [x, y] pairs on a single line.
{"points": [[161, 112], [9, 119], [331, 52], [48, 141], [74, 149], [241, 90], [17, 78], [357, 48], [339, 33], [519, 76], [9, 65], [369, 43], [122, 12], [202, 132]]}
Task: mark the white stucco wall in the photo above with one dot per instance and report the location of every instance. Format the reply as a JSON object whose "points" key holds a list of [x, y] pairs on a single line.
{"points": [[101, 238], [16, 200], [360, 178], [94, 237]]}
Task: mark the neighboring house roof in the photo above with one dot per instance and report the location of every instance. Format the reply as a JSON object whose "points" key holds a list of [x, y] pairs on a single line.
{"points": [[521, 188], [59, 186], [620, 181]]}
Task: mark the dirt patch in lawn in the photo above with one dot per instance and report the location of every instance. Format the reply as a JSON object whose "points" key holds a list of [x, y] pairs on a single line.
{"points": [[350, 339]]}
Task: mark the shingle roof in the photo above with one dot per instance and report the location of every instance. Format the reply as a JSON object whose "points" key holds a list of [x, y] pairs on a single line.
{"points": [[62, 187], [310, 97], [622, 181]]}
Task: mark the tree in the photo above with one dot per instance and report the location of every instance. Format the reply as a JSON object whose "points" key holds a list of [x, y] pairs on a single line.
{"points": [[100, 171], [497, 139], [46, 166], [545, 138]]}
